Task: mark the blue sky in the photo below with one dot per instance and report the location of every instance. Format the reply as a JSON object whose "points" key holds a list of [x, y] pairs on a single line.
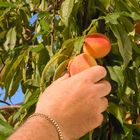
{"points": [[17, 98]]}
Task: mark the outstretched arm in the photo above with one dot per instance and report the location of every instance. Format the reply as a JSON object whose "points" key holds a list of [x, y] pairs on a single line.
{"points": [[76, 103]]}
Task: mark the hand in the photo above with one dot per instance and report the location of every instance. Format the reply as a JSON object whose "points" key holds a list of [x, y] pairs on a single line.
{"points": [[76, 102]]}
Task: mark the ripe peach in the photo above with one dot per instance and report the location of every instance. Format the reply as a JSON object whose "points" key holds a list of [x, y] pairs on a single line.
{"points": [[80, 63], [137, 27], [97, 45]]}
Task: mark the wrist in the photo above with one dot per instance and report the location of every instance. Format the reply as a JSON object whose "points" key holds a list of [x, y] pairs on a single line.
{"points": [[57, 123], [44, 127], [51, 121]]}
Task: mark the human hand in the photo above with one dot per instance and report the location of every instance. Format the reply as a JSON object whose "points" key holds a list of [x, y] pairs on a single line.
{"points": [[76, 102]]}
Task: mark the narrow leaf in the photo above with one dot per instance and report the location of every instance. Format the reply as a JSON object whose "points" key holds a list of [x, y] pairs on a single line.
{"points": [[66, 9], [116, 74], [10, 39], [124, 43], [6, 4], [5, 128], [116, 111], [60, 70]]}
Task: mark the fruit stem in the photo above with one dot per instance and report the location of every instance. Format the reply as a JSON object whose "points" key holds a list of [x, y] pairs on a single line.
{"points": [[90, 135]]}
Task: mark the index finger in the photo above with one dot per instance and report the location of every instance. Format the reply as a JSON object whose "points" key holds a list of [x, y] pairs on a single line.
{"points": [[95, 73]]}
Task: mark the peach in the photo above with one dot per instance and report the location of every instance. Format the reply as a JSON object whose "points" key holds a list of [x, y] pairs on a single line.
{"points": [[97, 45], [137, 27], [80, 63]]}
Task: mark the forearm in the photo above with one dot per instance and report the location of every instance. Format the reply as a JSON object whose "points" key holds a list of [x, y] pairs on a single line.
{"points": [[35, 128]]}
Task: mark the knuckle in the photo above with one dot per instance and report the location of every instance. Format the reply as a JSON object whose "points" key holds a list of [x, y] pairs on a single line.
{"points": [[107, 85], [100, 119], [103, 70], [104, 104], [85, 80]]}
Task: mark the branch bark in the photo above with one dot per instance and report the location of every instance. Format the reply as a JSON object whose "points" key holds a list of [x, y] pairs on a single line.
{"points": [[10, 107]]}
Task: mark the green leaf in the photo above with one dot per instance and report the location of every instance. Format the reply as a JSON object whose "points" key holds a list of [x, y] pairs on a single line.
{"points": [[14, 67], [134, 126], [10, 39], [48, 71], [116, 111], [60, 70], [43, 58], [43, 6], [66, 50], [66, 9], [5, 129], [5, 70], [112, 18], [14, 84], [12, 76], [116, 74], [128, 25], [2, 137], [29, 104], [78, 44], [135, 4], [31, 83], [124, 43], [135, 16], [106, 3], [2, 34], [37, 48], [7, 4], [45, 25]]}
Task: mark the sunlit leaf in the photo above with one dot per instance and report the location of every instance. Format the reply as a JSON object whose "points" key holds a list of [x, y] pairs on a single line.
{"points": [[60, 70], [7, 4], [10, 39], [66, 9], [43, 5], [112, 18], [124, 43], [116, 73], [116, 111], [5, 129]]}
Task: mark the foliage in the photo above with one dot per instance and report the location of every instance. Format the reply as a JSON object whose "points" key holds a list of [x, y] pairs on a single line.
{"points": [[34, 54]]}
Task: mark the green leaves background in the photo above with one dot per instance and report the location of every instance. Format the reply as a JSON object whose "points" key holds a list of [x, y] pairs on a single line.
{"points": [[35, 64]]}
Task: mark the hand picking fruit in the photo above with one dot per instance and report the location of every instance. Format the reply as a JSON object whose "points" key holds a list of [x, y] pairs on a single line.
{"points": [[95, 46]]}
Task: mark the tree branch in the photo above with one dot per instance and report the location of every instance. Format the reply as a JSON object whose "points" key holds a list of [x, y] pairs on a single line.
{"points": [[2, 63], [2, 60], [10, 107]]}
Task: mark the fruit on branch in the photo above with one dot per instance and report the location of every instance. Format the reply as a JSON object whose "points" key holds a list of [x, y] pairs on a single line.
{"points": [[97, 45], [80, 63], [137, 27]]}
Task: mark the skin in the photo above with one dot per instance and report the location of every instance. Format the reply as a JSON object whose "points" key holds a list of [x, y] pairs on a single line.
{"points": [[76, 103]]}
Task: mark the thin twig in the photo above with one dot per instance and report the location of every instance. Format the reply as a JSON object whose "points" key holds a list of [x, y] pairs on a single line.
{"points": [[10, 107], [2, 63], [110, 130], [2, 60], [1, 101]]}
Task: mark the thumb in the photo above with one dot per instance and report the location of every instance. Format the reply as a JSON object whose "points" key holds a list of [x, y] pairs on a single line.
{"points": [[65, 76]]}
